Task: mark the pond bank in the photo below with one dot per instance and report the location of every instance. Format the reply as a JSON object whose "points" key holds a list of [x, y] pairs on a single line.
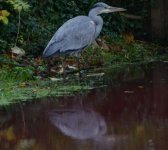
{"points": [[17, 91]]}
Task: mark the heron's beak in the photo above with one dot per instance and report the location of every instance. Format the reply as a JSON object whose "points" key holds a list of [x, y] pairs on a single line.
{"points": [[113, 9]]}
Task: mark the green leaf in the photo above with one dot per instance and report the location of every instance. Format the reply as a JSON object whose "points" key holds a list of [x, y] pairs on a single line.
{"points": [[5, 20]]}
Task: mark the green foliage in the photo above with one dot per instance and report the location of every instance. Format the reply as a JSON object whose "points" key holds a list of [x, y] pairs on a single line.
{"points": [[17, 73], [4, 16], [119, 23], [129, 52], [19, 5], [117, 51]]}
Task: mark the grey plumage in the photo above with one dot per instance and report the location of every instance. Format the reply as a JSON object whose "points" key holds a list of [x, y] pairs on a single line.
{"points": [[79, 32]]}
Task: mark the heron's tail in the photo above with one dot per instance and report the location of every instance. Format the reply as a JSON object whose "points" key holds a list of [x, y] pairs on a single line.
{"points": [[52, 49]]}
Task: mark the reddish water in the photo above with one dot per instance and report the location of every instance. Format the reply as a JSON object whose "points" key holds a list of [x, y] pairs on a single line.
{"points": [[130, 116]]}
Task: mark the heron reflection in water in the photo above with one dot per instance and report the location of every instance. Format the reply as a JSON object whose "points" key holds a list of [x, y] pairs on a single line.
{"points": [[80, 124]]}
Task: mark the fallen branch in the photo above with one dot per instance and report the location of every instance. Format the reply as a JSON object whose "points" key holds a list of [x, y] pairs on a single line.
{"points": [[130, 16]]}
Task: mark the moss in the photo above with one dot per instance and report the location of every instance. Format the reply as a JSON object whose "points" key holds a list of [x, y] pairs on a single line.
{"points": [[13, 91]]}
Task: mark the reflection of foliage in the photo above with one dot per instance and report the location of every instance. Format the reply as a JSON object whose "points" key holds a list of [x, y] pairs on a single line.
{"points": [[7, 134], [117, 74]]}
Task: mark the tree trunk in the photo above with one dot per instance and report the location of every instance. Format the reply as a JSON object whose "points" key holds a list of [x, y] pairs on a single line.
{"points": [[159, 20]]}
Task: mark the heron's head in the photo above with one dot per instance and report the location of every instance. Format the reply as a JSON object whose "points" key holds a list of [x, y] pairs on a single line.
{"points": [[101, 8]]}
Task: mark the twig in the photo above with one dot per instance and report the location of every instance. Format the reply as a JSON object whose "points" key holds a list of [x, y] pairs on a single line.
{"points": [[131, 16], [18, 30]]}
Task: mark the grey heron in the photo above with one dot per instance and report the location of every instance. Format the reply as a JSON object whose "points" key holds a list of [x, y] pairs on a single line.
{"points": [[79, 32]]}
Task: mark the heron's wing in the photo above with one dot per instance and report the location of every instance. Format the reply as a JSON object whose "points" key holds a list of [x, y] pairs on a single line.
{"points": [[73, 35]]}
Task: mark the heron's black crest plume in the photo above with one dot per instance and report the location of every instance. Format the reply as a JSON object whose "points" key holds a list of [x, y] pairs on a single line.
{"points": [[100, 4]]}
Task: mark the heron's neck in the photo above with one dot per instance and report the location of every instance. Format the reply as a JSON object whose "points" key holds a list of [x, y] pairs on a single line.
{"points": [[93, 14]]}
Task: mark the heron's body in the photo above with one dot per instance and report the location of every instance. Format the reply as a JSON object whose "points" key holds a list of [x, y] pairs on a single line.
{"points": [[71, 36], [78, 33]]}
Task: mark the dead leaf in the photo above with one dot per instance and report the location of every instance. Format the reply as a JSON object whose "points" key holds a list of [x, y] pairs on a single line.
{"points": [[128, 37], [116, 47], [61, 71], [18, 51], [56, 79], [34, 91], [95, 74], [38, 61], [72, 67], [23, 84]]}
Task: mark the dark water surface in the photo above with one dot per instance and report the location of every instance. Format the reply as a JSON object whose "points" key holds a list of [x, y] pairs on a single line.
{"points": [[131, 113]]}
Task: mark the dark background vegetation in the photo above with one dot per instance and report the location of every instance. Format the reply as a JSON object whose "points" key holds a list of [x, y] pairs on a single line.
{"points": [[43, 18]]}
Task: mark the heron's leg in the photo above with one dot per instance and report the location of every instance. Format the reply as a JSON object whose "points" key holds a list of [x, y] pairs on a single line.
{"points": [[64, 65], [78, 63]]}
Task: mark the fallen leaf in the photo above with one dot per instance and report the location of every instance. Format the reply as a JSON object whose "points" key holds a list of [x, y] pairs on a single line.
{"points": [[128, 37], [25, 144], [72, 67], [56, 79], [18, 51], [23, 84], [61, 71], [34, 91], [95, 74]]}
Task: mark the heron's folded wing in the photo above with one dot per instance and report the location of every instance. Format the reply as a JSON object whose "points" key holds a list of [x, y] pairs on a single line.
{"points": [[73, 35]]}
